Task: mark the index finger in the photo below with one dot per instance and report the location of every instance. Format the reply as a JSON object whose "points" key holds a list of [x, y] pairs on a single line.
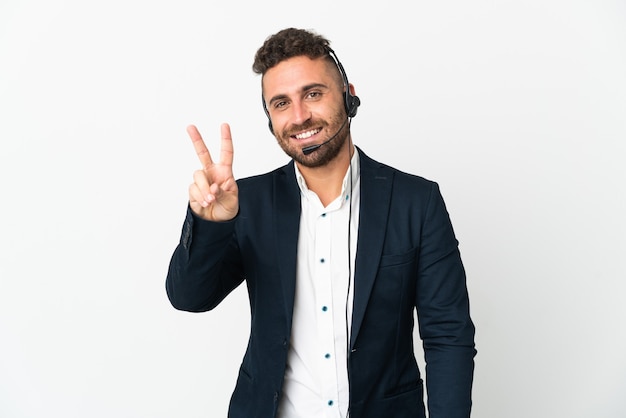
{"points": [[198, 143], [226, 152]]}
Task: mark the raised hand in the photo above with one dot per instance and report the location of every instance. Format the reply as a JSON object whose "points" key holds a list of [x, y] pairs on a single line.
{"points": [[214, 194]]}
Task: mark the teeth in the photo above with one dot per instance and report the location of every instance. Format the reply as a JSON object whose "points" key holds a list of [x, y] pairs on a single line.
{"points": [[308, 134]]}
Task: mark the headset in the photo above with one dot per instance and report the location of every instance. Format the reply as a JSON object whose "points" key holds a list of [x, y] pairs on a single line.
{"points": [[350, 101]]}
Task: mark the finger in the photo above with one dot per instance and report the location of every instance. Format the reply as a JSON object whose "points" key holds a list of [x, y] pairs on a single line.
{"points": [[227, 151], [196, 197], [203, 152], [201, 180]]}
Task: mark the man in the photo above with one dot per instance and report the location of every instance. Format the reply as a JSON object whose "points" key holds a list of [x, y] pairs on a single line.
{"points": [[337, 251]]}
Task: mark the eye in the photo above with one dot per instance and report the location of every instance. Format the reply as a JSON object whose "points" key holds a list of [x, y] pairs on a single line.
{"points": [[280, 104], [314, 94]]}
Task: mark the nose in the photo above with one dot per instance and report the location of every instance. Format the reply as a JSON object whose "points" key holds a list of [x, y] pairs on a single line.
{"points": [[301, 112]]}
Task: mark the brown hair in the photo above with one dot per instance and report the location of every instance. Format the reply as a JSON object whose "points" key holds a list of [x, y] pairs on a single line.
{"points": [[289, 43]]}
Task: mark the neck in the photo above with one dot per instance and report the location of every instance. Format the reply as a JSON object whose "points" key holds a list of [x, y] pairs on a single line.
{"points": [[327, 181]]}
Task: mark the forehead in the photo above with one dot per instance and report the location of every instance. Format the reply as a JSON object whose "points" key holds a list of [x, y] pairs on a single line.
{"points": [[293, 73]]}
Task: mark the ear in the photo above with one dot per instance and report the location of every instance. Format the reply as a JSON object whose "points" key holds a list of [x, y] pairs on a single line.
{"points": [[352, 91]]}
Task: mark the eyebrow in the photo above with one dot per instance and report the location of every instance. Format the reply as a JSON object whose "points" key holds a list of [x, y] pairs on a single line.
{"points": [[303, 89]]}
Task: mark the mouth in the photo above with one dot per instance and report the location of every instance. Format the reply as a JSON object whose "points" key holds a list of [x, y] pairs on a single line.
{"points": [[307, 134]]}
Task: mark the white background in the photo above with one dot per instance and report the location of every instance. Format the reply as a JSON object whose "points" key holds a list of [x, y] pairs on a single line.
{"points": [[516, 108]]}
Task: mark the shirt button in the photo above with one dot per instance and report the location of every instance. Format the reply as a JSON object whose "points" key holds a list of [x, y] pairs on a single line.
{"points": [[324, 308], [322, 260], [330, 403], [323, 215], [327, 355]]}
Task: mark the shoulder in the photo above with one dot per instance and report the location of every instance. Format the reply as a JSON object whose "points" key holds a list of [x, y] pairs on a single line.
{"points": [[401, 180], [265, 191], [266, 179]]}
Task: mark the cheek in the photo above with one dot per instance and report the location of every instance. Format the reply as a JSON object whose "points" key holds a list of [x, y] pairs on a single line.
{"points": [[279, 122], [283, 140]]}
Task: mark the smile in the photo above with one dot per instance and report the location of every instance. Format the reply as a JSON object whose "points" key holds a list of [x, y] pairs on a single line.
{"points": [[307, 134]]}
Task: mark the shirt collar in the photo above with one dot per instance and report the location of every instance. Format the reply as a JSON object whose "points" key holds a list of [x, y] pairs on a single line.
{"points": [[353, 170]]}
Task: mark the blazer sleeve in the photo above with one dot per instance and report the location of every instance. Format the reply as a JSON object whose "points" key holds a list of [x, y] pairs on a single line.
{"points": [[205, 266], [444, 319]]}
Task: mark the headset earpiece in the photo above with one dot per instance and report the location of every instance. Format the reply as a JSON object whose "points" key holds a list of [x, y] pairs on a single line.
{"points": [[351, 102], [267, 113]]}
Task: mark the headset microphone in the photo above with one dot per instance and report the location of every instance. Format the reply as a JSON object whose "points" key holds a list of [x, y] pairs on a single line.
{"points": [[309, 149]]}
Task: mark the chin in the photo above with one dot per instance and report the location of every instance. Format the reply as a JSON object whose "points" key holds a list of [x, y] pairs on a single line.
{"points": [[321, 156]]}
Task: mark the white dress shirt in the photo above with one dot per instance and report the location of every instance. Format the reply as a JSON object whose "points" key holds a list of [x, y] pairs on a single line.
{"points": [[316, 378]]}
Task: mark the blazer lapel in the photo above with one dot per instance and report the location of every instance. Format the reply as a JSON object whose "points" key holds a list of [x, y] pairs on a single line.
{"points": [[376, 181], [287, 223]]}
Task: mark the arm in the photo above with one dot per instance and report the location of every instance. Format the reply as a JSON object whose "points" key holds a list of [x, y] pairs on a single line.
{"points": [[205, 266], [445, 325], [201, 272]]}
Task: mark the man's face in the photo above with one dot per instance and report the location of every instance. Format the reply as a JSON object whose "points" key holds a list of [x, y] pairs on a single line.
{"points": [[304, 98]]}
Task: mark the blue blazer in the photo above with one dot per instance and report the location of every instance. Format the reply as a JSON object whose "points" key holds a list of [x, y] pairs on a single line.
{"points": [[407, 258]]}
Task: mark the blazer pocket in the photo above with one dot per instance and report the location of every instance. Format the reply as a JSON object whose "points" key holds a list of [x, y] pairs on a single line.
{"points": [[390, 260]]}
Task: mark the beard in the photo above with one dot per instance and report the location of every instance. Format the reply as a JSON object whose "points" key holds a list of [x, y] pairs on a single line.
{"points": [[325, 153]]}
